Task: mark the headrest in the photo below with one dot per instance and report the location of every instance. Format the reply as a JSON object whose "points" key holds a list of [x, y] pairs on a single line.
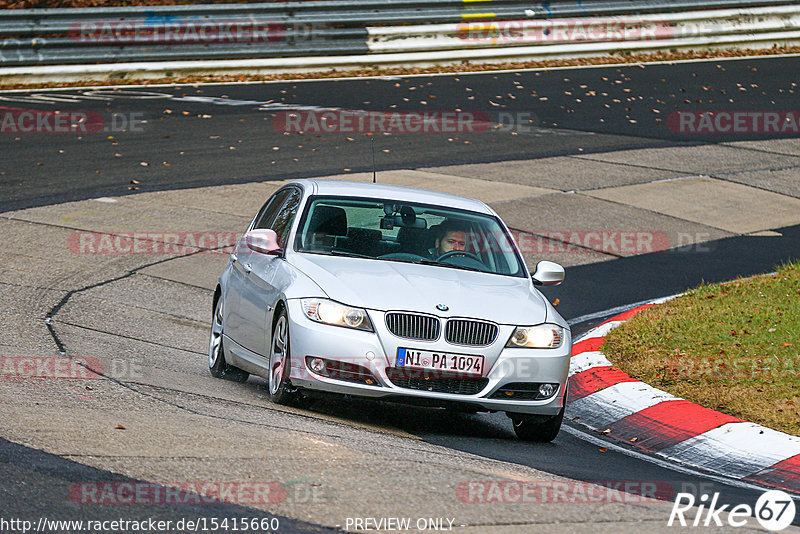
{"points": [[328, 220]]}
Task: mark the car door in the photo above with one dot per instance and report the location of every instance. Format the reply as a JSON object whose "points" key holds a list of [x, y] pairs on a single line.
{"points": [[241, 266], [259, 294]]}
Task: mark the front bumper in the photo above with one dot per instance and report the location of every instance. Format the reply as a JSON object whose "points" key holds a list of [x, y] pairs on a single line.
{"points": [[376, 351]]}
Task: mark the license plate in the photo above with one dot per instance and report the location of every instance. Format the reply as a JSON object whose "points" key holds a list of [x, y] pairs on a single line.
{"points": [[440, 361]]}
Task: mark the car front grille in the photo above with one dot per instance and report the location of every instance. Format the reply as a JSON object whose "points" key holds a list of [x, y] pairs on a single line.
{"points": [[435, 381], [470, 332], [413, 326]]}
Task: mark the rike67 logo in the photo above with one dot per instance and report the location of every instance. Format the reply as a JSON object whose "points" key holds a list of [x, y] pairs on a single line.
{"points": [[774, 510]]}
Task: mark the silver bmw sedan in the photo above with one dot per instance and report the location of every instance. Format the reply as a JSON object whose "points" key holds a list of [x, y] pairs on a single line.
{"points": [[391, 292]]}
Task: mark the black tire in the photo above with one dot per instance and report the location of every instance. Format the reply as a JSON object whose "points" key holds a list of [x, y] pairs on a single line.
{"points": [[217, 365], [538, 428], [278, 384], [532, 429]]}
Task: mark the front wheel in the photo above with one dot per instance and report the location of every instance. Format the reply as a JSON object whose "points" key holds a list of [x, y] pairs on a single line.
{"points": [[280, 388], [536, 428], [216, 353]]}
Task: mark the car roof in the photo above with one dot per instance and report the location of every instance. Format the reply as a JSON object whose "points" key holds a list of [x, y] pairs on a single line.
{"points": [[392, 192]]}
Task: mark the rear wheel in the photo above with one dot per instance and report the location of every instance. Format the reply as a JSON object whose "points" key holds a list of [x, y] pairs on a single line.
{"points": [[216, 353], [280, 388]]}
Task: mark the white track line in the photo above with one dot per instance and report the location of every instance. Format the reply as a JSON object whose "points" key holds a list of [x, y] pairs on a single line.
{"points": [[605, 313]]}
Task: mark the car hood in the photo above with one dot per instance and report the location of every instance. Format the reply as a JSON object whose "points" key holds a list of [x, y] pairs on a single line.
{"points": [[389, 285]]}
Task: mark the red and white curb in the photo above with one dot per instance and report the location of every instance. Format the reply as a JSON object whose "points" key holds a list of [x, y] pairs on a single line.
{"points": [[607, 400]]}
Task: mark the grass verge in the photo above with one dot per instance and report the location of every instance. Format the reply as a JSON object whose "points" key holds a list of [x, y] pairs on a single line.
{"points": [[732, 347]]}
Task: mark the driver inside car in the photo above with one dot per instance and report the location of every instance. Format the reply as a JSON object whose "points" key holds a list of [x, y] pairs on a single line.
{"points": [[451, 236]]}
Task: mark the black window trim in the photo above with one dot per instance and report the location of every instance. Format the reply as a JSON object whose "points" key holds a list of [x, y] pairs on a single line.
{"points": [[261, 212], [290, 226]]}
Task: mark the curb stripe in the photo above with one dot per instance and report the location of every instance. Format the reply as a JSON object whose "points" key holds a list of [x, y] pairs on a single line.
{"points": [[595, 379], [605, 327], [736, 449], [626, 315], [611, 404], [586, 361], [606, 399], [667, 424], [587, 345], [784, 475]]}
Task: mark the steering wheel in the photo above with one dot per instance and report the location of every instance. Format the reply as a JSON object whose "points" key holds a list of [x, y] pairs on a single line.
{"points": [[454, 253]]}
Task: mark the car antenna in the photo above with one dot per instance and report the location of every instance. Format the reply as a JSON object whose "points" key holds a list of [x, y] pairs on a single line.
{"points": [[374, 174]]}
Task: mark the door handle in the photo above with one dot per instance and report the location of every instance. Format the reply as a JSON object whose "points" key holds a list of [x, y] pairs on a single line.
{"points": [[247, 268]]}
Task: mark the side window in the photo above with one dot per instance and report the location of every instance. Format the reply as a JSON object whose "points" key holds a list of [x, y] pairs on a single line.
{"points": [[283, 221], [269, 210]]}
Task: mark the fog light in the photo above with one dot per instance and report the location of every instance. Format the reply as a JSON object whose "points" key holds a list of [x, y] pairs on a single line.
{"points": [[316, 365], [546, 390]]}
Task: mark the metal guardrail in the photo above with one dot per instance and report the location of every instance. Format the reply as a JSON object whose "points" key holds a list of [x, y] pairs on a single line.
{"points": [[280, 29], [664, 30]]}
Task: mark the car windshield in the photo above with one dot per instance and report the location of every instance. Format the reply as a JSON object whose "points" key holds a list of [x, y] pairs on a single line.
{"points": [[391, 230]]}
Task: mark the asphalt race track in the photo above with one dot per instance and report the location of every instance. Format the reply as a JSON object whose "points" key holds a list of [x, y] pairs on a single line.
{"points": [[161, 153], [195, 136]]}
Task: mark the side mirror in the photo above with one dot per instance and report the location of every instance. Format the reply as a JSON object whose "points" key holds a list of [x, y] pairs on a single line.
{"points": [[262, 241], [548, 274]]}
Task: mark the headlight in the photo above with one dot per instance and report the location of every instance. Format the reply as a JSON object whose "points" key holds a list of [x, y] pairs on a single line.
{"points": [[543, 336], [330, 312]]}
